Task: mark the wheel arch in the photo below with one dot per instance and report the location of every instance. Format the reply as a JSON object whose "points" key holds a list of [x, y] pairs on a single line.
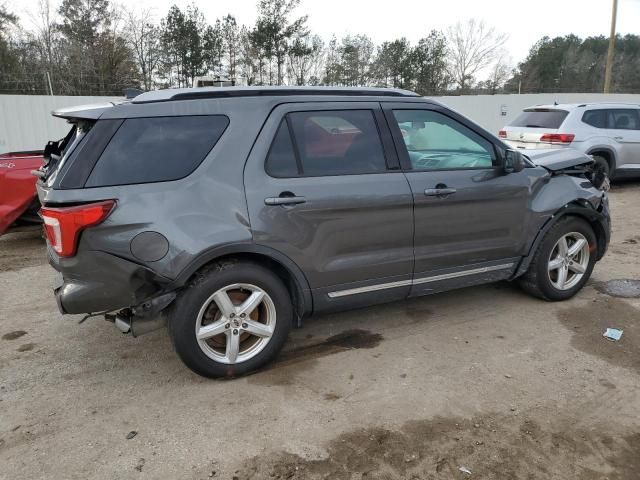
{"points": [[579, 209], [607, 153], [292, 276]]}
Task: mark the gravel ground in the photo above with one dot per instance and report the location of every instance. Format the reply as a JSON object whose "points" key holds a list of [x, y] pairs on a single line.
{"points": [[485, 379]]}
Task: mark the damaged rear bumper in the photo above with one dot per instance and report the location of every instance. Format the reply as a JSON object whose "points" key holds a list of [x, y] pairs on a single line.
{"points": [[94, 281]]}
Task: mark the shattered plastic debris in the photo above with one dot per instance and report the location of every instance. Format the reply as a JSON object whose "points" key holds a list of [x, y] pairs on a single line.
{"points": [[465, 470], [613, 334]]}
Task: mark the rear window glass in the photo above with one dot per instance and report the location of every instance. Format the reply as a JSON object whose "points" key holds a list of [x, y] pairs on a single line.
{"points": [[338, 142], [82, 156], [157, 149], [540, 118], [332, 142]]}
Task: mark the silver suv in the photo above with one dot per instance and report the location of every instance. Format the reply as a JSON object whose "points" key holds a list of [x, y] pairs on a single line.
{"points": [[230, 214], [608, 131]]}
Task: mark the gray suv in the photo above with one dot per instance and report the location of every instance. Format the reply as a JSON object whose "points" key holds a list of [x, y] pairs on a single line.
{"points": [[230, 214]]}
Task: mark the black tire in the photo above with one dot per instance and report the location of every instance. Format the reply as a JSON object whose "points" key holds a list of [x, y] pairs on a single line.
{"points": [[536, 280], [184, 315], [602, 165]]}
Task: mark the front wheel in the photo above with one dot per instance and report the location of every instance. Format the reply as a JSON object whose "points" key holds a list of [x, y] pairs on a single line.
{"points": [[602, 166], [563, 262], [232, 318]]}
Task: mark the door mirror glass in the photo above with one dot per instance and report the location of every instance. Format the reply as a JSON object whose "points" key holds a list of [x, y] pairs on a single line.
{"points": [[513, 161]]}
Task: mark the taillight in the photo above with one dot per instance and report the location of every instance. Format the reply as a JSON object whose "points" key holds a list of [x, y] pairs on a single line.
{"points": [[502, 134], [557, 137], [63, 225]]}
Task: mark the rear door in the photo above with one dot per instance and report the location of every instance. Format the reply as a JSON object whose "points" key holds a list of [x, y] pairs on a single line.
{"points": [[324, 187], [470, 217], [624, 129]]}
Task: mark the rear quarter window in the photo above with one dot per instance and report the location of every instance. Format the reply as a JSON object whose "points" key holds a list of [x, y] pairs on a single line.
{"points": [[157, 149], [595, 118], [540, 118]]}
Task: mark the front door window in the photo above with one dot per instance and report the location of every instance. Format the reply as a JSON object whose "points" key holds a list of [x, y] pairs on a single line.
{"points": [[437, 142]]}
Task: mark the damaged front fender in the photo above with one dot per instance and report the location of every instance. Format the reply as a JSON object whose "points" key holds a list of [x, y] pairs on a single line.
{"points": [[570, 162], [595, 211]]}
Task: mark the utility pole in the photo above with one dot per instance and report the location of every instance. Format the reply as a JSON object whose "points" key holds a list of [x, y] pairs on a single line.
{"points": [[611, 51], [50, 87]]}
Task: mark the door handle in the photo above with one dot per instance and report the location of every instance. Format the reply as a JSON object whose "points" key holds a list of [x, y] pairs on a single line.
{"points": [[284, 200], [618, 138], [439, 192]]}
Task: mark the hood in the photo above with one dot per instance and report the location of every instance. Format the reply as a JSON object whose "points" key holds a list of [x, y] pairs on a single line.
{"points": [[558, 159]]}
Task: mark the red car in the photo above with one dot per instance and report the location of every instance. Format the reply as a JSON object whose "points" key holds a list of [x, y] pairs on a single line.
{"points": [[18, 199]]}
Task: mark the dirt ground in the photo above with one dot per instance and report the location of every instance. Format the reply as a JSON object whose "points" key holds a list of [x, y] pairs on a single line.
{"points": [[484, 379]]}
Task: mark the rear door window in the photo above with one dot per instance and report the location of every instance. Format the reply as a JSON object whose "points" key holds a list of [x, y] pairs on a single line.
{"points": [[540, 118], [156, 149], [624, 119], [282, 160], [345, 142]]}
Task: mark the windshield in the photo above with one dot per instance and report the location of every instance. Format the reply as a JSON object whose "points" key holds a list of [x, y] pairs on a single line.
{"points": [[540, 118]]}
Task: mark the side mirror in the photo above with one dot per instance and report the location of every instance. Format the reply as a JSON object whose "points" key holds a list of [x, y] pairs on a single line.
{"points": [[513, 161]]}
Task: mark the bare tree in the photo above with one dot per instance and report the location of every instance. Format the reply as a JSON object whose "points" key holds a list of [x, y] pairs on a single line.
{"points": [[500, 73], [6, 18], [45, 21], [473, 46], [144, 39]]}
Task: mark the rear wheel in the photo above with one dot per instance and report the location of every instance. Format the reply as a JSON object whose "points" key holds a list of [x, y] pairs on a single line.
{"points": [[563, 262], [232, 319]]}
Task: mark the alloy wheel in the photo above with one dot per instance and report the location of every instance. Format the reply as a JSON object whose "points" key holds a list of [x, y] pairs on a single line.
{"points": [[568, 261], [235, 323]]}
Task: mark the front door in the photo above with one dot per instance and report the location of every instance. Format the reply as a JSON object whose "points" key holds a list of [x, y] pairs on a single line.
{"points": [[330, 195], [470, 217]]}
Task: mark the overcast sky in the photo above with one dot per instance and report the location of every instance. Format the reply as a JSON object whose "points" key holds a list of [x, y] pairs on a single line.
{"points": [[525, 21]]}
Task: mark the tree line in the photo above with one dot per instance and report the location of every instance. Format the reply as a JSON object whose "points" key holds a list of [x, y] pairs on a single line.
{"points": [[96, 47]]}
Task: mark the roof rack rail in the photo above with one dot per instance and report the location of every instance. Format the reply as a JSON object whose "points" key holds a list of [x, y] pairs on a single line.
{"points": [[234, 92]]}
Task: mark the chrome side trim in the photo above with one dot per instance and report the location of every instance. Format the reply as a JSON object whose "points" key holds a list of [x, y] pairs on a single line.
{"points": [[370, 288], [418, 281], [464, 273]]}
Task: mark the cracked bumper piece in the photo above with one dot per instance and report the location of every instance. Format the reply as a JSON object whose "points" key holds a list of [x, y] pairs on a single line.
{"points": [[97, 281]]}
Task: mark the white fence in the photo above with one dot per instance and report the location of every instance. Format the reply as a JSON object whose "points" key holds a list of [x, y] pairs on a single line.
{"points": [[26, 122]]}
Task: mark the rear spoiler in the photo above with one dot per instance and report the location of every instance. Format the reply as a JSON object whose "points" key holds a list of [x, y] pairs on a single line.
{"points": [[86, 112]]}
